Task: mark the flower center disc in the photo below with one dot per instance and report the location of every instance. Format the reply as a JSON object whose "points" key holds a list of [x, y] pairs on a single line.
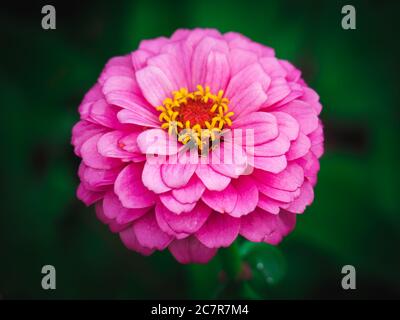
{"points": [[196, 112], [197, 117]]}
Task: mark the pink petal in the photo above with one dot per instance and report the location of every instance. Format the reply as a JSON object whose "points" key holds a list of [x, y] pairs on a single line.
{"points": [[83, 131], [116, 227], [310, 96], [240, 59], [164, 226], [119, 83], [228, 159], [262, 226], [137, 115], [118, 70], [151, 178], [273, 148], [277, 194], [180, 34], [123, 91], [190, 250], [272, 67], [258, 225], [247, 100], [113, 225], [149, 234], [186, 222], [293, 74], [113, 209], [290, 179], [310, 165], [155, 85], [104, 114], [109, 145], [318, 149], [139, 58], [100, 213], [88, 197], [157, 141], [247, 196], [177, 175], [97, 178], [317, 136], [93, 95], [247, 77], [270, 164], [217, 71], [268, 204], [153, 45], [211, 179], [204, 62], [92, 158], [119, 61], [296, 91], [129, 143], [237, 40], [221, 201], [191, 192], [287, 125], [303, 113], [171, 67], [220, 230], [130, 189], [182, 51], [317, 141], [299, 147], [129, 215], [262, 124], [286, 222], [278, 90], [174, 205], [129, 239], [305, 198]]}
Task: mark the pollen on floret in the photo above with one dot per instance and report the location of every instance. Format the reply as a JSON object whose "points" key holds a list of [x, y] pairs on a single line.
{"points": [[197, 117]]}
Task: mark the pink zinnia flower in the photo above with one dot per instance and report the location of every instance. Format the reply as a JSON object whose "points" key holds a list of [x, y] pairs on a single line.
{"points": [[184, 93]]}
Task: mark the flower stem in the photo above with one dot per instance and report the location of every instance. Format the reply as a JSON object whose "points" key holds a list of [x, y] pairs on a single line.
{"points": [[231, 262]]}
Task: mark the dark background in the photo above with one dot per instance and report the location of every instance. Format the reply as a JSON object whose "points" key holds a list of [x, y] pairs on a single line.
{"points": [[44, 74]]}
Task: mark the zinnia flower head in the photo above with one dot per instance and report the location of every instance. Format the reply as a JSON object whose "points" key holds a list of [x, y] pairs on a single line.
{"points": [[190, 141]]}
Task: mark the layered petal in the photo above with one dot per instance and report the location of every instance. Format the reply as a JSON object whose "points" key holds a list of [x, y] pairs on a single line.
{"points": [[212, 180], [220, 230], [114, 210], [187, 222], [174, 205], [92, 157], [191, 250], [261, 226], [149, 234], [130, 189], [178, 171], [129, 239]]}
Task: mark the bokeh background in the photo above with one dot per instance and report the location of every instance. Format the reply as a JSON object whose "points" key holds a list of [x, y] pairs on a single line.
{"points": [[354, 220]]}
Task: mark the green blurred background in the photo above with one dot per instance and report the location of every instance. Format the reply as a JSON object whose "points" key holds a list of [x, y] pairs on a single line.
{"points": [[355, 218]]}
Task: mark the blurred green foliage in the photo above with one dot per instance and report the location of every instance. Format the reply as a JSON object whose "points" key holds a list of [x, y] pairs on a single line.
{"points": [[355, 218]]}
